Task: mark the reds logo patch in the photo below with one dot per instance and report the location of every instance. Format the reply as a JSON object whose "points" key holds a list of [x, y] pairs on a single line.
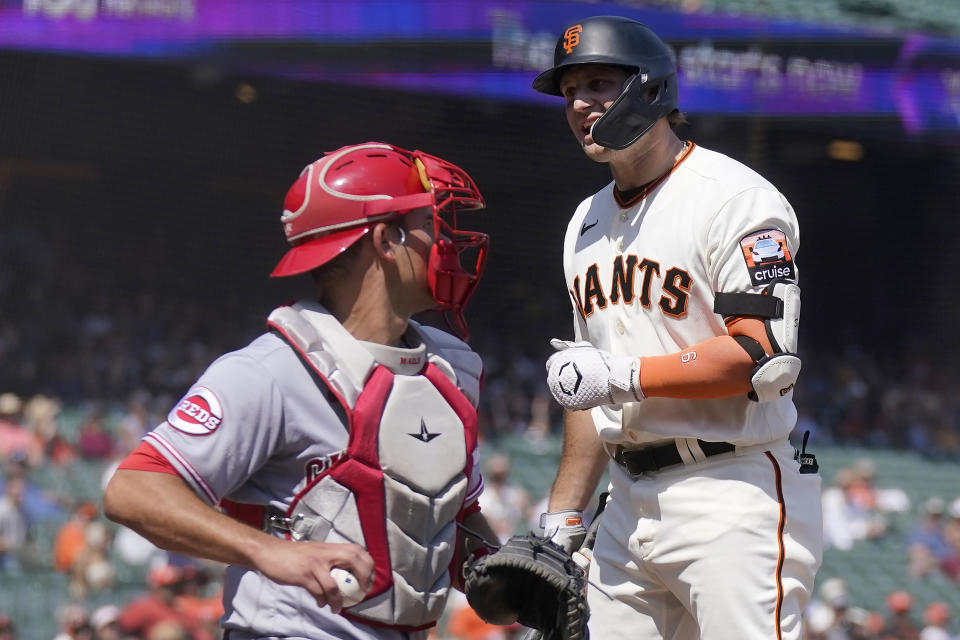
{"points": [[198, 414], [768, 256]]}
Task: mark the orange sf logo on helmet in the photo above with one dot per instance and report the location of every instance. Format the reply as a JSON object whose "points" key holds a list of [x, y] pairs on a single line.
{"points": [[571, 37]]}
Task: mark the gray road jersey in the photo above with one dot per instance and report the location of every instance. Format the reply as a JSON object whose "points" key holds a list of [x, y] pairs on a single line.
{"points": [[254, 428]]}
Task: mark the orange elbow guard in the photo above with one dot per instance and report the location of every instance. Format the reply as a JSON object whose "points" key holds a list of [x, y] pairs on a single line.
{"points": [[774, 375]]}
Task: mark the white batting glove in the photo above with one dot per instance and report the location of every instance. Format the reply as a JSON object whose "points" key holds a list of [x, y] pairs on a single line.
{"points": [[564, 527], [580, 376]]}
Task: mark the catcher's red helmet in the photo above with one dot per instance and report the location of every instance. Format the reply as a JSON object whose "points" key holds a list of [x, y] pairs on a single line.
{"points": [[338, 197]]}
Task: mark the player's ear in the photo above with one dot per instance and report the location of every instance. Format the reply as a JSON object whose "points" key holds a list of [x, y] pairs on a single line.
{"points": [[383, 237]]}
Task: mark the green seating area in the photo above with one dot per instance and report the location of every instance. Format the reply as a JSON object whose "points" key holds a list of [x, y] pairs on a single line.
{"points": [[872, 569], [932, 17]]}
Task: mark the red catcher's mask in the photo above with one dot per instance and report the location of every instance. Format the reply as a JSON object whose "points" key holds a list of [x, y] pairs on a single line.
{"points": [[340, 196]]}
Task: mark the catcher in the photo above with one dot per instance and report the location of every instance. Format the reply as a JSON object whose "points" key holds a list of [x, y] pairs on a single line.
{"points": [[301, 457]]}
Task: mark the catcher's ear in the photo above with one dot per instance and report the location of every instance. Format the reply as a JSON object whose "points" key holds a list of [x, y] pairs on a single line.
{"points": [[386, 238], [382, 244]]}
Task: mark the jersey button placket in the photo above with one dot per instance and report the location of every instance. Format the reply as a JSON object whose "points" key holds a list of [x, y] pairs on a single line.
{"points": [[617, 242]]}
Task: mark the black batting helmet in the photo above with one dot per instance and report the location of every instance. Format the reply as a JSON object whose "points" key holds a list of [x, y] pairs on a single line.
{"points": [[619, 42]]}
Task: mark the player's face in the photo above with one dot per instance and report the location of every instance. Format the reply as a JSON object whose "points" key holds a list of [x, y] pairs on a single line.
{"points": [[589, 90], [413, 257]]}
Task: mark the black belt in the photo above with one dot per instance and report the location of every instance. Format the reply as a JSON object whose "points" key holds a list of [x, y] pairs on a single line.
{"points": [[637, 461]]}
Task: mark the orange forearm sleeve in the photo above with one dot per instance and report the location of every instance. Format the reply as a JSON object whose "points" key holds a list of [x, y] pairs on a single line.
{"points": [[714, 368]]}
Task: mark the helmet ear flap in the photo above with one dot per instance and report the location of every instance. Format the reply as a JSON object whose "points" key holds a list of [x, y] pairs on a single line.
{"points": [[631, 115], [619, 42]]}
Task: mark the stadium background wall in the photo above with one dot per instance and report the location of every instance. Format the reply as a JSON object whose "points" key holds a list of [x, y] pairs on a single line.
{"points": [[163, 178]]}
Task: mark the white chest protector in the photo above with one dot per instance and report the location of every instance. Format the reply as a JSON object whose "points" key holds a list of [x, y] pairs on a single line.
{"points": [[400, 486]]}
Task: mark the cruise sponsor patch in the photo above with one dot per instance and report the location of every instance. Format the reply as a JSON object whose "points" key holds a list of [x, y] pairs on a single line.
{"points": [[198, 414], [768, 256]]}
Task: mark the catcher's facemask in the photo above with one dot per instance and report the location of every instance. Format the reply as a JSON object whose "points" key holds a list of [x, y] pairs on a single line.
{"points": [[452, 282]]}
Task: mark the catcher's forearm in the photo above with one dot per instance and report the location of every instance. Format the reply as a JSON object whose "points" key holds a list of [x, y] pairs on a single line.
{"points": [[478, 524], [582, 464], [474, 538], [163, 509]]}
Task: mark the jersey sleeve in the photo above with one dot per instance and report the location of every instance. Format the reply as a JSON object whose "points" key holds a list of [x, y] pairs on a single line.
{"points": [[753, 240], [569, 252], [146, 458], [579, 326], [224, 428]]}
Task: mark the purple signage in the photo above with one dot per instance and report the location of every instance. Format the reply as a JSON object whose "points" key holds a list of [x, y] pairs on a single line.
{"points": [[494, 48]]}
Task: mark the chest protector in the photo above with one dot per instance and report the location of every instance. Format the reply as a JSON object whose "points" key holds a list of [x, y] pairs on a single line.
{"points": [[399, 487]]}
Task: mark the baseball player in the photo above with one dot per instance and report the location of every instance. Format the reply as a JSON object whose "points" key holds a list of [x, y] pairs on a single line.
{"points": [[345, 437], [679, 379]]}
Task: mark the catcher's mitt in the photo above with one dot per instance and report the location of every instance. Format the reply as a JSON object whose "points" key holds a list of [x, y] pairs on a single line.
{"points": [[532, 581]]}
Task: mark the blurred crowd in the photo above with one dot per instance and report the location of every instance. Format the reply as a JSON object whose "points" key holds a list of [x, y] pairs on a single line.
{"points": [[179, 598], [87, 399], [832, 616], [898, 398], [101, 356], [176, 604]]}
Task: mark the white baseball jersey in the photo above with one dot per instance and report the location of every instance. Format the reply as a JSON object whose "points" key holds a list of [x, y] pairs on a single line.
{"points": [[727, 547], [256, 428], [642, 280]]}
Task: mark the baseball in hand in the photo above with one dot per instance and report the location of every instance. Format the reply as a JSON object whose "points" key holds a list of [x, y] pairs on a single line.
{"points": [[349, 586]]}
